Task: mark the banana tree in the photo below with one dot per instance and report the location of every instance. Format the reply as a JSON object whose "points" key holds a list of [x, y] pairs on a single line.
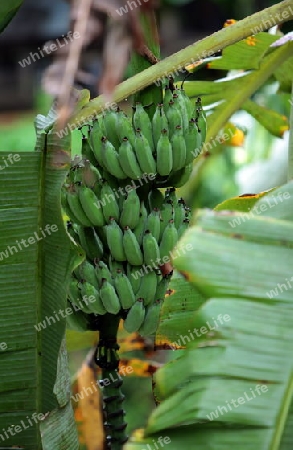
{"points": [[227, 274]]}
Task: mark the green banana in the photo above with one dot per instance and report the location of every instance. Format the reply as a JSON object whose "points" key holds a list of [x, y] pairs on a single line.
{"points": [[162, 288], [115, 241], [91, 176], [152, 319], [148, 287], [188, 104], [174, 117], [142, 121], [144, 153], [109, 298], [179, 214], [180, 103], [141, 226], [96, 135], [193, 141], [109, 203], [168, 96], [111, 160], [101, 232], [75, 296], [76, 208], [90, 242], [110, 120], [86, 272], [130, 214], [102, 272], [134, 277], [151, 251], [73, 291], [167, 214], [128, 160], [91, 206], [132, 248], [155, 199], [67, 209], [169, 240], [115, 265], [124, 128], [135, 317], [153, 223], [159, 123], [124, 290], [178, 149], [183, 227], [164, 154], [77, 175], [86, 150], [92, 298]]}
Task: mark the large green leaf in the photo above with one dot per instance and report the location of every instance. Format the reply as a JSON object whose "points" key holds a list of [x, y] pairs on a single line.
{"points": [[245, 54], [232, 92], [35, 267], [180, 303], [238, 340], [274, 122], [8, 9]]}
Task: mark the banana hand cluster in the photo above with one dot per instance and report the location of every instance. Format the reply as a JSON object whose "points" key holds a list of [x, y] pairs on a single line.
{"points": [[121, 273], [129, 231], [164, 146]]}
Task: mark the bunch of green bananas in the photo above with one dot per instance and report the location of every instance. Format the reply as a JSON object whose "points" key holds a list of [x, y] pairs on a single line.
{"points": [[127, 227], [121, 273], [164, 146]]}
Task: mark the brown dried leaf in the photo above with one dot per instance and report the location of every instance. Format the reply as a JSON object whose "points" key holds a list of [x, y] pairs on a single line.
{"points": [[88, 413]]}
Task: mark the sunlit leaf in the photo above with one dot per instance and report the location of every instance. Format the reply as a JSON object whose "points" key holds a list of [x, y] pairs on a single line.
{"points": [[245, 54], [273, 121], [242, 203]]}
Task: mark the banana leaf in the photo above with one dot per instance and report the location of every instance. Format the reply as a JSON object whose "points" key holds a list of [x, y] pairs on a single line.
{"points": [[36, 258], [232, 386]]}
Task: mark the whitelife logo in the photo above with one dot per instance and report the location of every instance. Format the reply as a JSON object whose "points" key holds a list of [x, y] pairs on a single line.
{"points": [[49, 48], [24, 243]]}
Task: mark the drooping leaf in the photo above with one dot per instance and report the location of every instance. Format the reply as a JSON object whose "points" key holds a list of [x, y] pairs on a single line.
{"points": [[224, 390], [228, 365], [87, 403], [274, 122], [36, 261], [242, 203]]}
